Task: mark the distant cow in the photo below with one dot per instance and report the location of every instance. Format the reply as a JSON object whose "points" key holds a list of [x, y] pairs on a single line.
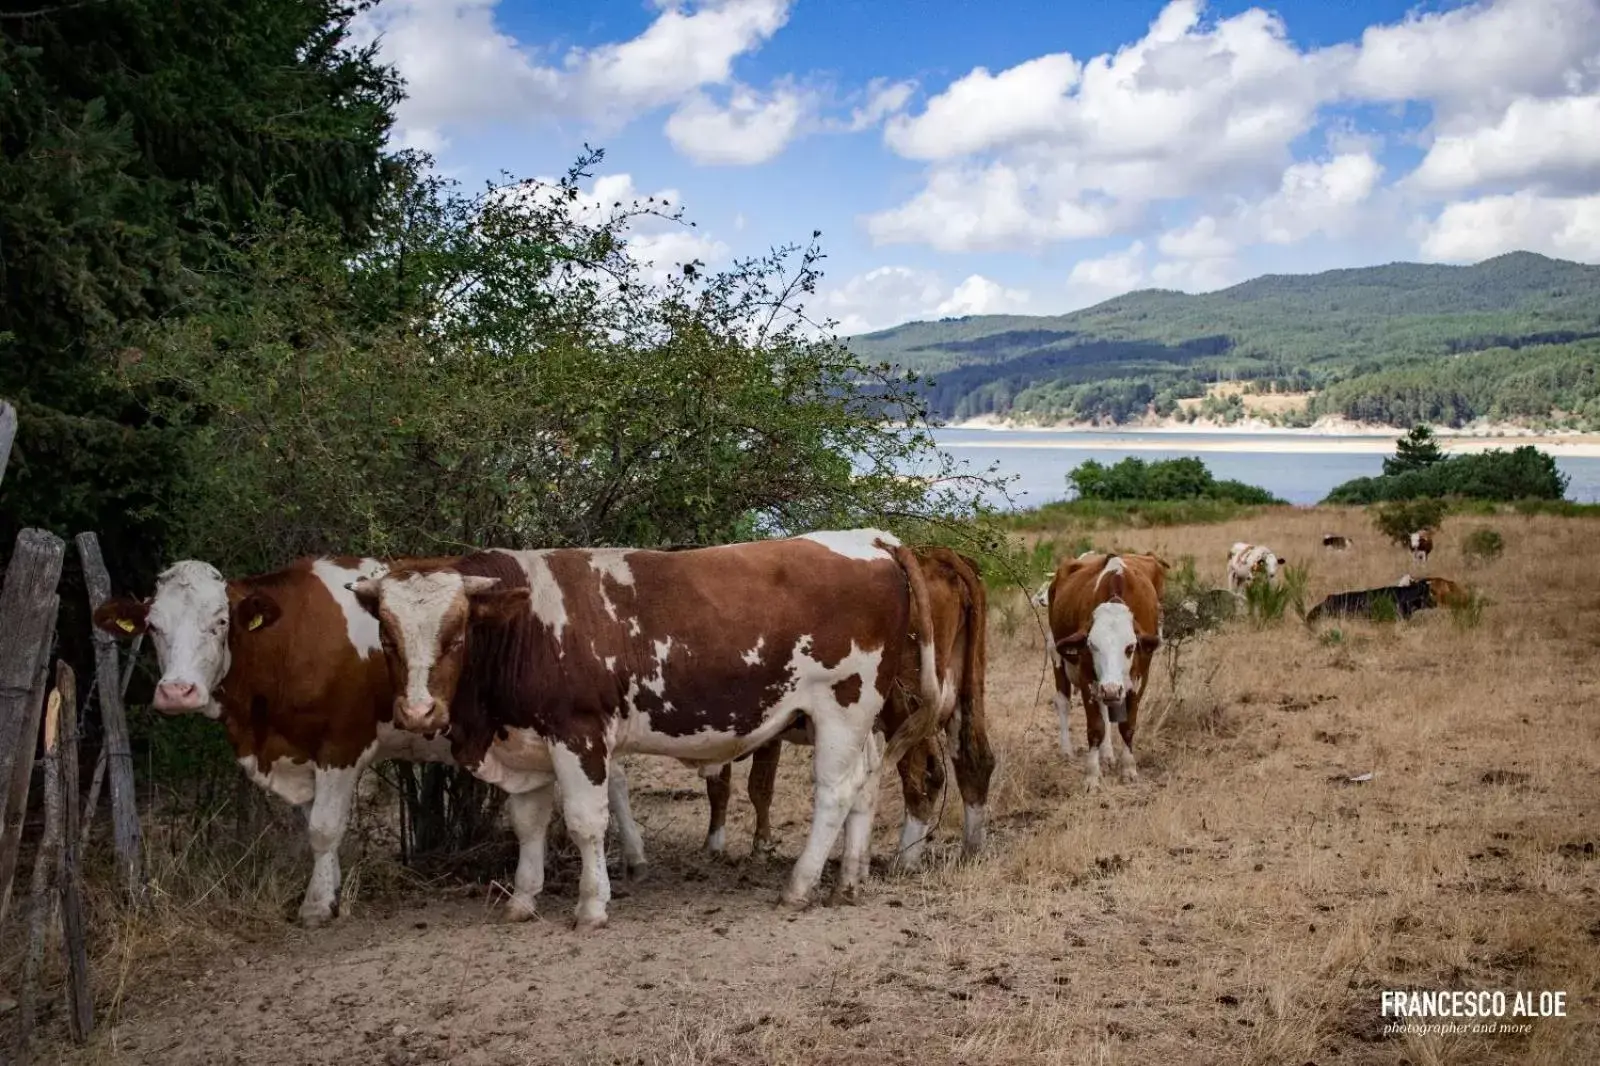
{"points": [[291, 666], [1335, 542], [958, 607], [1246, 561], [1409, 596], [1105, 621], [1421, 546], [545, 664]]}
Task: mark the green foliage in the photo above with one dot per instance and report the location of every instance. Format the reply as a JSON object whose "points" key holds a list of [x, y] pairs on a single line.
{"points": [[1400, 519], [1415, 451], [1483, 544], [1265, 600], [1518, 330], [529, 386], [1163, 479], [1519, 474], [1189, 608], [1384, 609]]}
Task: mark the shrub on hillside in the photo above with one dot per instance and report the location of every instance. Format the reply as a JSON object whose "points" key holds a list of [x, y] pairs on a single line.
{"points": [[1483, 544], [1520, 474], [1400, 519], [1164, 479]]}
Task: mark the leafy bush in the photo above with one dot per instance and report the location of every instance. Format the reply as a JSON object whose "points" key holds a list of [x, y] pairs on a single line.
{"points": [[1265, 600], [1520, 474], [1384, 608], [1483, 544], [1399, 520], [1163, 479]]}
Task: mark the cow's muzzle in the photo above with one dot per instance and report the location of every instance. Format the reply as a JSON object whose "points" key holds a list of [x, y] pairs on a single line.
{"points": [[179, 697], [420, 716]]}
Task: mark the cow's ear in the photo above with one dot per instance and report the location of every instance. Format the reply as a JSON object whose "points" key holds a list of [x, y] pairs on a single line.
{"points": [[498, 604], [122, 616], [1073, 644], [365, 590], [1149, 642], [257, 611]]}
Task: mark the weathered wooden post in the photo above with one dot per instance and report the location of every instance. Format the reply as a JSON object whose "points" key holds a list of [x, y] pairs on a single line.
{"points": [[80, 1018], [8, 433], [119, 753], [28, 604], [46, 878]]}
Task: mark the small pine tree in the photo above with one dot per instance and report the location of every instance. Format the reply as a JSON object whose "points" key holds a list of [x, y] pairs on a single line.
{"points": [[1415, 450]]}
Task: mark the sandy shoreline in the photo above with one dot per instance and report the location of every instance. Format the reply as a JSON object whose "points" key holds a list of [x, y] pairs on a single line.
{"points": [[1345, 439]]}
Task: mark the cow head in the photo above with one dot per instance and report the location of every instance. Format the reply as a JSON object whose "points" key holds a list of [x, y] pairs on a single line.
{"points": [[425, 624], [1115, 645], [190, 620]]}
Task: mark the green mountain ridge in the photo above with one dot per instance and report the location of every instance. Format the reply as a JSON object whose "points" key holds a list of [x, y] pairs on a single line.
{"points": [[1513, 338]]}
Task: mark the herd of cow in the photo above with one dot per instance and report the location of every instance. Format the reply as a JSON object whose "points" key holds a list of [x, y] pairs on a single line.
{"points": [[534, 670]]}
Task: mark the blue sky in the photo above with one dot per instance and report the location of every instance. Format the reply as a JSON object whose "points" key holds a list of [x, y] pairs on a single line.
{"points": [[1033, 157]]}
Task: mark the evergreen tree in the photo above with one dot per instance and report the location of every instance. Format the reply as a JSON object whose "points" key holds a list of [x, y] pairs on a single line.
{"points": [[1414, 451]]}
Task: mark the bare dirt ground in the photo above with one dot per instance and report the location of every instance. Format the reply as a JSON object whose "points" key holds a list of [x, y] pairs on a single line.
{"points": [[1243, 903]]}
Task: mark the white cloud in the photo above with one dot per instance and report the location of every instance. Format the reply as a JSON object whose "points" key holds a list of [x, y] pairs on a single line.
{"points": [[1207, 268], [1080, 150], [1473, 230], [891, 295], [1317, 198], [462, 70], [1545, 142], [1093, 280], [752, 129], [1475, 60], [884, 98]]}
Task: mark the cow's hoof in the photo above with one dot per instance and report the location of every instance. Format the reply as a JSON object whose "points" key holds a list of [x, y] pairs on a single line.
{"points": [[519, 910], [786, 905], [764, 849], [635, 871], [589, 923], [1091, 784], [315, 919], [845, 896]]}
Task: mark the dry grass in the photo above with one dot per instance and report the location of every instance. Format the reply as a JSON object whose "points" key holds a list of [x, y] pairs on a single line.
{"points": [[1255, 403], [1244, 903]]}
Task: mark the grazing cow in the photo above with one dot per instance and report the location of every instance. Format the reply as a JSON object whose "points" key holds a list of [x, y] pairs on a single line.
{"points": [[1421, 546], [1408, 596], [1335, 542], [958, 607], [545, 664], [1245, 561], [1105, 620], [291, 666]]}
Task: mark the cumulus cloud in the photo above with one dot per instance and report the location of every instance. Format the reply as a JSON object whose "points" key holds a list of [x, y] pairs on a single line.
{"points": [[1542, 142], [461, 70], [891, 295], [752, 129], [1473, 230], [883, 99], [1207, 266]]}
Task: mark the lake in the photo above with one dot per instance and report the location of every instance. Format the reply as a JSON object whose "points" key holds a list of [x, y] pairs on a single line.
{"points": [[1300, 468]]}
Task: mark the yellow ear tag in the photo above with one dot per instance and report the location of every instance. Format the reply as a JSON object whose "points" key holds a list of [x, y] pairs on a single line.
{"points": [[126, 625], [255, 623]]}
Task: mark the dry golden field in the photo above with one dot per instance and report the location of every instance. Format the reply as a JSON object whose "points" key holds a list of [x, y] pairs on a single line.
{"points": [[1243, 903]]}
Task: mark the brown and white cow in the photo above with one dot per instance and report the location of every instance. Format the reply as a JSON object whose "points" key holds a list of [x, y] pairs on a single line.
{"points": [[1105, 621], [291, 666], [544, 664], [958, 610], [1421, 546], [1248, 561]]}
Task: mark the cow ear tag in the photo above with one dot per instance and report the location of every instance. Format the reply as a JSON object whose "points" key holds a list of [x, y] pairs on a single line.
{"points": [[126, 625], [255, 623]]}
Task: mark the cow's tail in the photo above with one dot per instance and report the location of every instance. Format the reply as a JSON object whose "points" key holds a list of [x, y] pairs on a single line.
{"points": [[924, 722], [974, 759]]}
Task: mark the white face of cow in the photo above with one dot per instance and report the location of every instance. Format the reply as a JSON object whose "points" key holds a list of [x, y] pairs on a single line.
{"points": [[187, 620], [1112, 642], [424, 621]]}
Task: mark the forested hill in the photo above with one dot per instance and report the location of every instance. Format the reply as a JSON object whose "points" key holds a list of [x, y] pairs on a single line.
{"points": [[1516, 337]]}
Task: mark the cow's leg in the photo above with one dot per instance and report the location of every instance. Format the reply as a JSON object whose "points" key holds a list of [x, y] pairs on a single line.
{"points": [[974, 767], [763, 781], [585, 808], [633, 860], [334, 796], [839, 771], [1062, 698], [530, 819], [856, 862], [1130, 766], [918, 792], [1095, 721], [719, 785]]}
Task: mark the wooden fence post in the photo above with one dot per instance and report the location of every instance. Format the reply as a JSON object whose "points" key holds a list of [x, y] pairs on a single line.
{"points": [[8, 433], [80, 1016], [46, 868], [119, 761], [28, 605]]}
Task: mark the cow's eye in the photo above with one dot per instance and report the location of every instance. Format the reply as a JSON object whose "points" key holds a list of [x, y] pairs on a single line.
{"points": [[1128, 650]]}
